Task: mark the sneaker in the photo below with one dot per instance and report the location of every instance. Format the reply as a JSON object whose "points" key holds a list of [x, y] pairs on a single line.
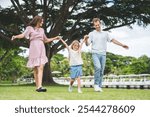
{"points": [[79, 91], [70, 88], [97, 88], [100, 89], [41, 89]]}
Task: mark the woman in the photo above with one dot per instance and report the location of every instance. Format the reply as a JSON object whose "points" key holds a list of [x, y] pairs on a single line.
{"points": [[37, 53]]}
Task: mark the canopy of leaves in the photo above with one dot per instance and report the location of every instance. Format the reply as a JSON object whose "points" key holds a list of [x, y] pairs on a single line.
{"points": [[70, 18]]}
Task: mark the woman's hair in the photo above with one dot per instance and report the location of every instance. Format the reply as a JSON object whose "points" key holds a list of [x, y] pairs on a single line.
{"points": [[75, 41], [35, 20]]}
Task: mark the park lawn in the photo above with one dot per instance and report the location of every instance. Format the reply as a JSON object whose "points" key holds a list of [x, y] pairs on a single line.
{"points": [[57, 92]]}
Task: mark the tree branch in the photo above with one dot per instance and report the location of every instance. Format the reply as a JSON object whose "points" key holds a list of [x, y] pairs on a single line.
{"points": [[19, 11], [31, 8], [119, 25], [15, 43]]}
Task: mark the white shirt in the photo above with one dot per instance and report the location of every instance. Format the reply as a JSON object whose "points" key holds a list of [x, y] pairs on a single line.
{"points": [[99, 41], [75, 57]]}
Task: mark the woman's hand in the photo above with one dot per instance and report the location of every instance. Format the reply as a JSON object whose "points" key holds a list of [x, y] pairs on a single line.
{"points": [[13, 37], [57, 38]]}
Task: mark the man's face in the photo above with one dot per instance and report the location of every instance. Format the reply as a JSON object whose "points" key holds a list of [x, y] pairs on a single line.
{"points": [[97, 25]]}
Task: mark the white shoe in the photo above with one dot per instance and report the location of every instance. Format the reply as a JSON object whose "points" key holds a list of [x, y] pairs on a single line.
{"points": [[100, 89], [97, 88], [70, 88], [79, 91]]}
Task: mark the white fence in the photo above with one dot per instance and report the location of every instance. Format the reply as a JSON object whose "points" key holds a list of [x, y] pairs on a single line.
{"points": [[122, 81], [25, 81]]}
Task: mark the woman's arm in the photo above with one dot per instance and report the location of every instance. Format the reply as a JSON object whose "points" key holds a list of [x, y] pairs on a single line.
{"points": [[48, 40], [20, 36]]}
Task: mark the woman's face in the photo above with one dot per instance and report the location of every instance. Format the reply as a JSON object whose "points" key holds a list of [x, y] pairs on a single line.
{"points": [[40, 23]]}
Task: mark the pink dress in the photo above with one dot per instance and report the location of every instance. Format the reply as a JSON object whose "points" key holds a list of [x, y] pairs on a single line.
{"points": [[37, 53]]}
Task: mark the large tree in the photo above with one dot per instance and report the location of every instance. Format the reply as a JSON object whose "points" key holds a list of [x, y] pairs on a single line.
{"points": [[69, 18]]}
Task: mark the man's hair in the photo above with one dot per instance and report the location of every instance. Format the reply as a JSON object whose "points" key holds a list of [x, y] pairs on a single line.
{"points": [[95, 20]]}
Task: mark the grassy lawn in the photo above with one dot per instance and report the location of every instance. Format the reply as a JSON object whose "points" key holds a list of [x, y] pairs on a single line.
{"points": [[28, 92]]}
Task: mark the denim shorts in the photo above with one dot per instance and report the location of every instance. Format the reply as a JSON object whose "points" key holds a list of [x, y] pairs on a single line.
{"points": [[75, 71]]}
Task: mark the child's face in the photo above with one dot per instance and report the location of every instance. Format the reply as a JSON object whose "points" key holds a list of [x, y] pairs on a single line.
{"points": [[75, 46]]}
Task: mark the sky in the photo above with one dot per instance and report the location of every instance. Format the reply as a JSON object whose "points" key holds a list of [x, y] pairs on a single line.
{"points": [[138, 40]]}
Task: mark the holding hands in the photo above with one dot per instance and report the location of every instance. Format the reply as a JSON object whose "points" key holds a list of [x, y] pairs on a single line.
{"points": [[13, 37], [57, 38], [86, 37]]}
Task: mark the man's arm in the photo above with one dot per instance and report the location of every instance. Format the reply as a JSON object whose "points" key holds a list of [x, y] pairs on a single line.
{"points": [[120, 44]]}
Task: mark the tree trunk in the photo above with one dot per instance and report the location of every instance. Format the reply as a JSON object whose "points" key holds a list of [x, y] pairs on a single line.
{"points": [[47, 73]]}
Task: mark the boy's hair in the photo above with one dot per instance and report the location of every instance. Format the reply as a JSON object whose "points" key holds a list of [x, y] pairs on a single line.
{"points": [[95, 20], [75, 41]]}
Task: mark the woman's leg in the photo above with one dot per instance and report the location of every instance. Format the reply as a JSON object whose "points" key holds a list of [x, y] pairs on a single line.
{"points": [[40, 75], [36, 76]]}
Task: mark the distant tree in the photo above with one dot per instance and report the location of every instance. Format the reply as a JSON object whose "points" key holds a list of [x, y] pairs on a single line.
{"points": [[61, 64], [69, 18], [141, 65], [88, 67], [12, 66]]}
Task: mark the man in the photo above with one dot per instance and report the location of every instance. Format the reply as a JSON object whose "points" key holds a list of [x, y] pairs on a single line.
{"points": [[99, 39]]}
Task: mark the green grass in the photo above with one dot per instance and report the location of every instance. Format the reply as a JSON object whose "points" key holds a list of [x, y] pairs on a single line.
{"points": [[28, 92]]}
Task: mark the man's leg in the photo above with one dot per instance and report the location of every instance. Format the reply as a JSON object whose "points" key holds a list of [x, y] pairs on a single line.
{"points": [[102, 62], [97, 69]]}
